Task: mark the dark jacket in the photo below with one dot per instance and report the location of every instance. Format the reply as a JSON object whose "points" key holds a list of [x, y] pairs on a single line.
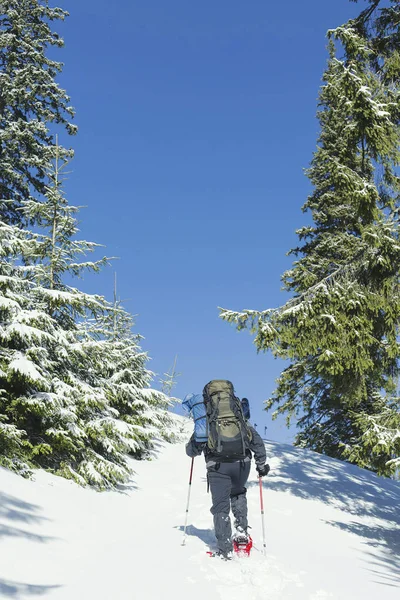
{"points": [[256, 447]]}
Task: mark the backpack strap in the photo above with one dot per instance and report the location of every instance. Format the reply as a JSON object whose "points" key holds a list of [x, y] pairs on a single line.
{"points": [[216, 406]]}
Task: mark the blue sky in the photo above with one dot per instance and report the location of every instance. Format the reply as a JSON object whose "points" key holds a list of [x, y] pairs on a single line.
{"points": [[196, 121]]}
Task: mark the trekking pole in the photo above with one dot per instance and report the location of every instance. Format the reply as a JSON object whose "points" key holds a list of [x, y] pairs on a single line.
{"points": [[187, 504], [262, 515]]}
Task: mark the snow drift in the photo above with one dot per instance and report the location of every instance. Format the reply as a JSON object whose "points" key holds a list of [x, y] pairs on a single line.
{"points": [[332, 532]]}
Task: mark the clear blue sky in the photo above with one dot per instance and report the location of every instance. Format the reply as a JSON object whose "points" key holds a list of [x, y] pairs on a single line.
{"points": [[196, 120]]}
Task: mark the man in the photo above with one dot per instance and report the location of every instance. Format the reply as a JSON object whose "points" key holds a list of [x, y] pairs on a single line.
{"points": [[227, 479]]}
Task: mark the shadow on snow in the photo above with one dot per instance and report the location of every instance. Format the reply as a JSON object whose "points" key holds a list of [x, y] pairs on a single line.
{"points": [[205, 535], [12, 589], [19, 512], [16, 512], [356, 491]]}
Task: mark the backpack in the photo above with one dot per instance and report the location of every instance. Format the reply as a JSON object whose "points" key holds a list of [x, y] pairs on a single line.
{"points": [[228, 435]]}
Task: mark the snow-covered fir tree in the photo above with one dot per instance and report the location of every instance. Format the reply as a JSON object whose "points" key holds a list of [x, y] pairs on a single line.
{"points": [[340, 330], [169, 381], [139, 405], [71, 402], [30, 99]]}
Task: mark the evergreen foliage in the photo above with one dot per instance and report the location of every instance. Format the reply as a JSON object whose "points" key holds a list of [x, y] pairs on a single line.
{"points": [[35, 403], [30, 100], [340, 330]]}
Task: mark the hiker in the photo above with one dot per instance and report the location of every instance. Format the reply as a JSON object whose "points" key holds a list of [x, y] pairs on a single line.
{"points": [[228, 452]]}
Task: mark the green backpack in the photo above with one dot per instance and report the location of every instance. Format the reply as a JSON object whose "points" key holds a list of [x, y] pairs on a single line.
{"points": [[228, 435]]}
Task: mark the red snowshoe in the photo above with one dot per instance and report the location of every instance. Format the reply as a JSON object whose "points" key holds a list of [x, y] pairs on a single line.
{"points": [[242, 544]]}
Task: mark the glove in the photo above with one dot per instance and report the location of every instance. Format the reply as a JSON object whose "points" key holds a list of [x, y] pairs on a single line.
{"points": [[194, 448], [263, 470]]}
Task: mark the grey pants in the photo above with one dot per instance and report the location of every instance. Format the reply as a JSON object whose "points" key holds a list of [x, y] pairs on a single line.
{"points": [[227, 486]]}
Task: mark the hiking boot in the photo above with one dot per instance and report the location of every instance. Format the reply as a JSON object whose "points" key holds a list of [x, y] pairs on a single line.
{"points": [[241, 533]]}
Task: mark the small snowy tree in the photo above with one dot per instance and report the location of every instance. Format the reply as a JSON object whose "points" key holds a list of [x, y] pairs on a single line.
{"points": [[170, 379], [129, 387], [126, 379], [30, 99]]}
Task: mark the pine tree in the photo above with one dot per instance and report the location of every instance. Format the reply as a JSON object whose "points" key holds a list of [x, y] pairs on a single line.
{"points": [[30, 100], [340, 329]]}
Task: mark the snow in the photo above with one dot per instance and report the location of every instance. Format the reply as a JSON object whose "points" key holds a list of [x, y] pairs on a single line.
{"points": [[26, 332], [330, 318], [21, 364], [6, 303], [332, 533]]}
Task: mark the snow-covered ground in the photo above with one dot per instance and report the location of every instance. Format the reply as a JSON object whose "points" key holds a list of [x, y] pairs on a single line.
{"points": [[332, 533]]}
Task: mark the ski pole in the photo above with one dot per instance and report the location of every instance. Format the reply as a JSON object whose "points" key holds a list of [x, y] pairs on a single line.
{"points": [[187, 504], [262, 514]]}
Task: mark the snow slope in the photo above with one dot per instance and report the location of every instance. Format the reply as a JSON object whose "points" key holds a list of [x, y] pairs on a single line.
{"points": [[332, 533]]}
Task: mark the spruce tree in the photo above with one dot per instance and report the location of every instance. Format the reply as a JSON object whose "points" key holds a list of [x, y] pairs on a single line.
{"points": [[340, 330], [31, 100], [76, 395]]}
